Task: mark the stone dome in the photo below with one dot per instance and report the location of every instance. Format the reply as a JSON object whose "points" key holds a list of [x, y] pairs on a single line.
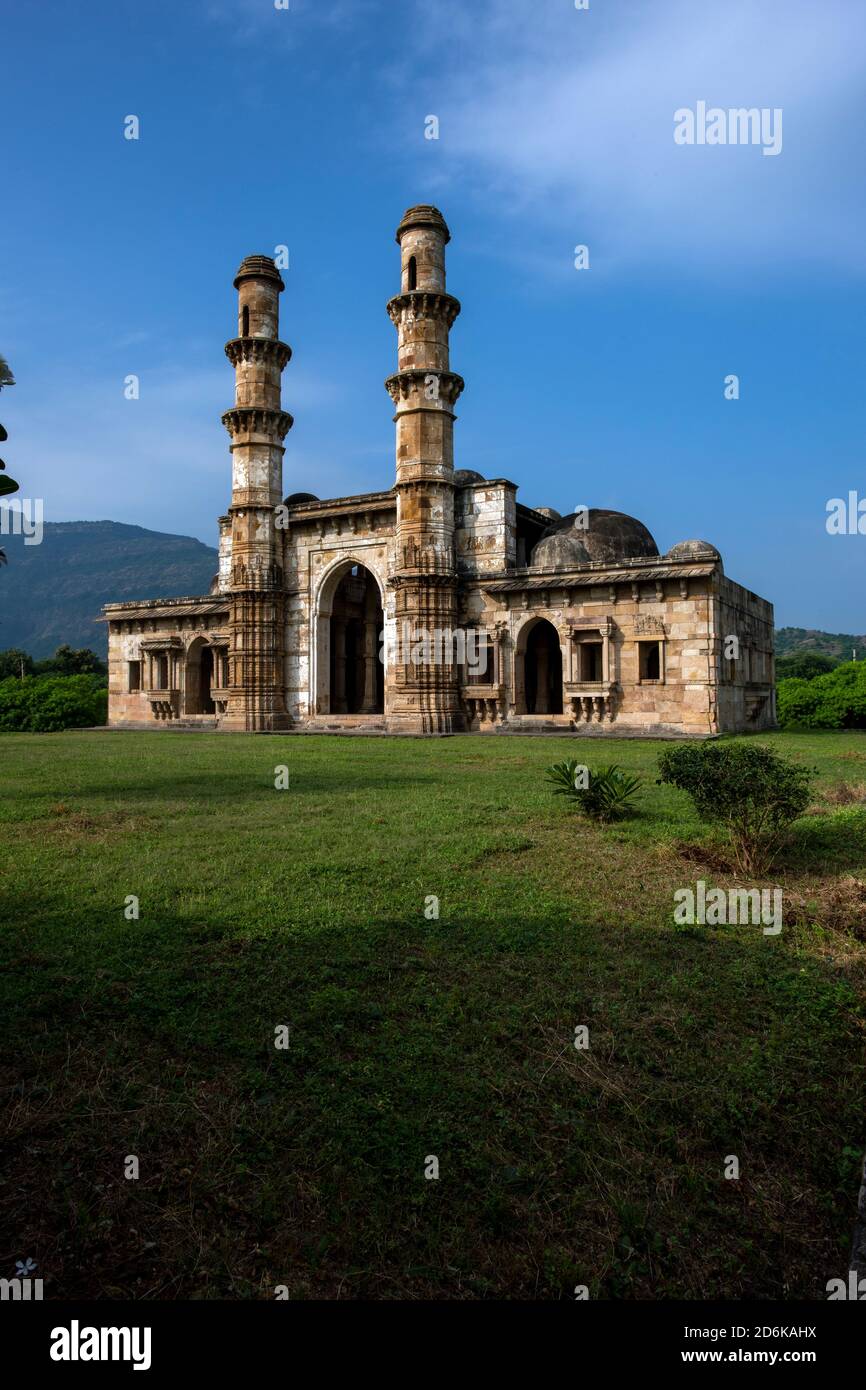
{"points": [[693, 550], [295, 498], [560, 551], [603, 536], [464, 476], [258, 268], [423, 215]]}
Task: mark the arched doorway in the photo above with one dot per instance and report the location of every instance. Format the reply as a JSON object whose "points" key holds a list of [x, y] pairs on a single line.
{"points": [[542, 670], [351, 620], [199, 678]]}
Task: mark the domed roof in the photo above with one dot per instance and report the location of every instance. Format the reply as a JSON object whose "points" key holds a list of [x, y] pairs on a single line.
{"points": [[258, 268], [693, 550], [602, 535], [295, 498], [560, 551], [423, 215], [464, 476]]}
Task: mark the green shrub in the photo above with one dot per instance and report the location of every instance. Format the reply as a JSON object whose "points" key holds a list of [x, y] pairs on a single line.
{"points": [[46, 704], [745, 787], [836, 700], [604, 795], [14, 662], [804, 666]]}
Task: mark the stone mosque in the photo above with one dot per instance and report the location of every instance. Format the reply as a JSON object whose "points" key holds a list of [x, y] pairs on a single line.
{"points": [[339, 614]]}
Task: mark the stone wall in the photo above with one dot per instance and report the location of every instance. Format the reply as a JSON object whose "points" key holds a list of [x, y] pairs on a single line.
{"points": [[485, 520]]}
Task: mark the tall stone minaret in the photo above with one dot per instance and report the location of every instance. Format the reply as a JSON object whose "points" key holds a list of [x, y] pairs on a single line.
{"points": [[424, 697], [257, 426]]}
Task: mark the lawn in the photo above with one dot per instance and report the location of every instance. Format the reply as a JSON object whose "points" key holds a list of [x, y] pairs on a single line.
{"points": [[413, 1036]]}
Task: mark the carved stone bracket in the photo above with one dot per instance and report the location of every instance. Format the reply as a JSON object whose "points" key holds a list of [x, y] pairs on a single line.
{"points": [[423, 304], [252, 419], [239, 350], [414, 380]]}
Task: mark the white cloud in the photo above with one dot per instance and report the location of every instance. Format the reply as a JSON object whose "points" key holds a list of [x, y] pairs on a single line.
{"points": [[568, 115]]}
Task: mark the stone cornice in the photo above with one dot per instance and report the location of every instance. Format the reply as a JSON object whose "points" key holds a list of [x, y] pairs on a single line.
{"points": [[253, 419], [415, 578], [413, 381], [257, 350], [424, 304]]}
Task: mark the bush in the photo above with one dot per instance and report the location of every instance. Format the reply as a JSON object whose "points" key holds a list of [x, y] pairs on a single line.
{"points": [[745, 787], [836, 700], [46, 704], [67, 661], [604, 795], [804, 665], [14, 662]]}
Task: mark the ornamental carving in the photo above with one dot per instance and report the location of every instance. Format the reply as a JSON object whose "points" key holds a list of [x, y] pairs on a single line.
{"points": [[252, 419]]}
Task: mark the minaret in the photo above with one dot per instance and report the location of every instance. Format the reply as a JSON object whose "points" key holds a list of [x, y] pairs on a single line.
{"points": [[424, 698], [257, 426]]}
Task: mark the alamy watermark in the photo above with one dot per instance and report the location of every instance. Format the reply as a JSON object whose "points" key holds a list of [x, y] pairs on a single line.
{"points": [[23, 519], [411, 646], [717, 907], [738, 125]]}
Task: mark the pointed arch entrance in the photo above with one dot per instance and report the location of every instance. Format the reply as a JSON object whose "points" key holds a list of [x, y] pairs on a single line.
{"points": [[350, 676], [539, 661]]}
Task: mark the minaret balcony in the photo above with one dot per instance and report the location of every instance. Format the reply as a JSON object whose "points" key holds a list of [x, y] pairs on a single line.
{"points": [[239, 350], [257, 424], [425, 387], [423, 304]]}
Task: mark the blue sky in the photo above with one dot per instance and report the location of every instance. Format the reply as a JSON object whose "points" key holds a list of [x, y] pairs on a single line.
{"points": [[305, 127]]}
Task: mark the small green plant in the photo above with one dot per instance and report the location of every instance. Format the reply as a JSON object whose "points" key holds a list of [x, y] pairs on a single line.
{"points": [[745, 787], [604, 795]]}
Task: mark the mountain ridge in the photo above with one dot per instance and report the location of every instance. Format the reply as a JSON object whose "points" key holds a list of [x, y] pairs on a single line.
{"points": [[52, 593]]}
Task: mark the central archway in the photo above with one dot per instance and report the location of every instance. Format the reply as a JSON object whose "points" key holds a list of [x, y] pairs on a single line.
{"points": [[350, 675], [542, 669]]}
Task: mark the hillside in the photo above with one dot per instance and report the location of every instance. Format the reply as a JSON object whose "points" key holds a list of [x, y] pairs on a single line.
{"points": [[839, 645], [52, 593]]}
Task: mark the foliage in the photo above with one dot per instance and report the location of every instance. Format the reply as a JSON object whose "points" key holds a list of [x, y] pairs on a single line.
{"points": [[836, 700], [804, 666], [47, 704], [6, 377], [746, 787], [791, 641], [69, 662], [605, 795], [13, 662], [64, 662]]}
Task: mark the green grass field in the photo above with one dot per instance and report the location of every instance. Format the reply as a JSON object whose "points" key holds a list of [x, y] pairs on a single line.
{"points": [[413, 1036]]}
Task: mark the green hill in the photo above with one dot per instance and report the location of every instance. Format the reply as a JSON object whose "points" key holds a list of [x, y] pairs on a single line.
{"points": [[838, 645], [52, 593]]}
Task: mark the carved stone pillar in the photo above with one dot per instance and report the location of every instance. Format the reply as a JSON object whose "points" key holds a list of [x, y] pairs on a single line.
{"points": [[338, 647], [368, 705], [542, 685]]}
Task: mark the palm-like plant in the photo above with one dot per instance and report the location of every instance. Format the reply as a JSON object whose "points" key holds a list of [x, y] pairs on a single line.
{"points": [[606, 794], [7, 485]]}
